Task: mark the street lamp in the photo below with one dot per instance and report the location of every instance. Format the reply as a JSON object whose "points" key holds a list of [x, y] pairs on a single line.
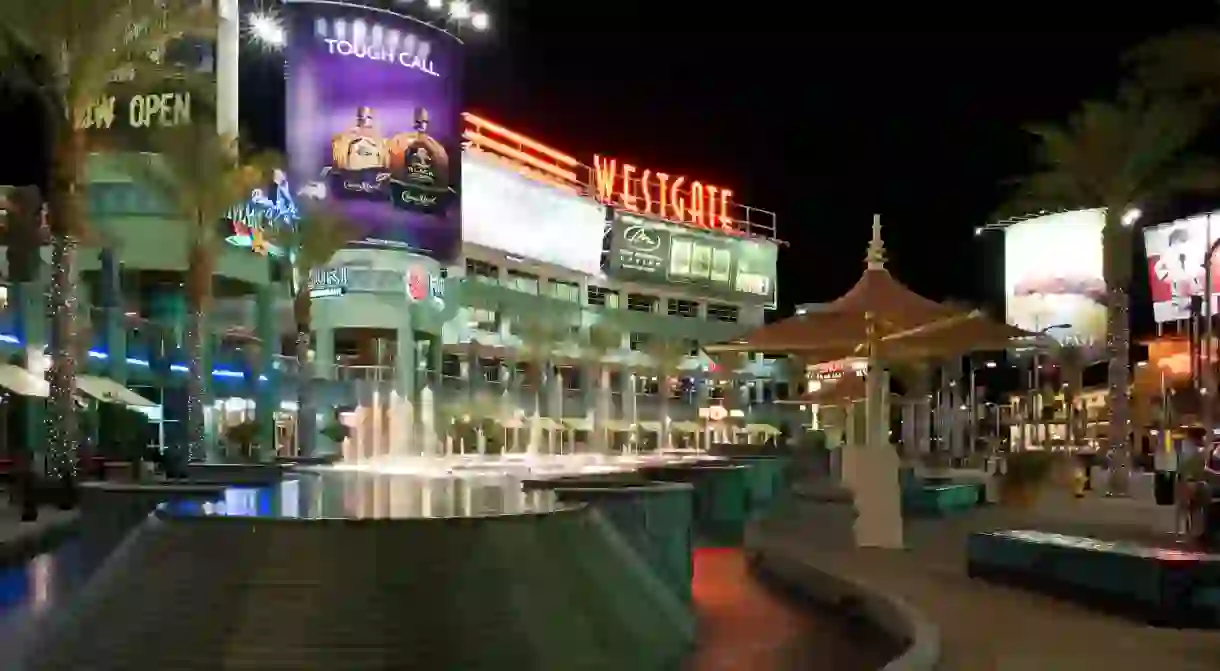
{"points": [[1037, 379], [1209, 372]]}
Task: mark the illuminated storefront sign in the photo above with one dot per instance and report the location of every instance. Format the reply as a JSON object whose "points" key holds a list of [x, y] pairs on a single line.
{"points": [[423, 285], [417, 283], [328, 282], [648, 250], [833, 370], [661, 195]]}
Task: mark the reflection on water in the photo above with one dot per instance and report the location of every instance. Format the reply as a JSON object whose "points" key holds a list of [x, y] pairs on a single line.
{"points": [[356, 495]]}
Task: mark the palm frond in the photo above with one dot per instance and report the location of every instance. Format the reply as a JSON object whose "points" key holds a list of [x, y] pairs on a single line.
{"points": [[1181, 60]]}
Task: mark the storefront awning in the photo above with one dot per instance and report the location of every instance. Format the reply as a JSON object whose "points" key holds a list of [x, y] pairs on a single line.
{"points": [[110, 391], [22, 382]]}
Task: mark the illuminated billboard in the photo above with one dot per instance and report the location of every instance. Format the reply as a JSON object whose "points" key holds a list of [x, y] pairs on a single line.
{"points": [[1053, 278], [504, 209], [1175, 254], [374, 122], [652, 251], [672, 198]]}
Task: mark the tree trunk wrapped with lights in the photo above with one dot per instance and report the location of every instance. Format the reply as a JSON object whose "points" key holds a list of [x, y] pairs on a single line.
{"points": [[1117, 250], [199, 295]]}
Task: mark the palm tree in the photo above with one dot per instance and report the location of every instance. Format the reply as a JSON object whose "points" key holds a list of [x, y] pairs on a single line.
{"points": [[311, 243], [1117, 156], [541, 337], [202, 176], [64, 54], [1181, 62], [601, 339], [667, 356]]}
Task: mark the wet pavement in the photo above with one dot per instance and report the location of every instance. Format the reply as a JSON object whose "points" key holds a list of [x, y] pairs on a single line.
{"points": [[748, 626]]}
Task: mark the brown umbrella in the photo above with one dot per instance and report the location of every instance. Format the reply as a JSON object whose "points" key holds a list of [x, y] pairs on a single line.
{"points": [[877, 301]]}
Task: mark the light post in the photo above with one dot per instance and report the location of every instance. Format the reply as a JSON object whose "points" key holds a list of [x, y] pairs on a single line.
{"points": [[1209, 371], [1037, 380]]}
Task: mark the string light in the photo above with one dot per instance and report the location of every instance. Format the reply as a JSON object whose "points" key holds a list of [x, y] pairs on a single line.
{"points": [[61, 418], [196, 421]]}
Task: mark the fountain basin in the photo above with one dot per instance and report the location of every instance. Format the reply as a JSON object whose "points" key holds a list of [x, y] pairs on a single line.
{"points": [[282, 582]]}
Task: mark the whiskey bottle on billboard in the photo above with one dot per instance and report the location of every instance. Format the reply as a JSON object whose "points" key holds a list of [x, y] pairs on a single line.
{"points": [[419, 168], [358, 160]]}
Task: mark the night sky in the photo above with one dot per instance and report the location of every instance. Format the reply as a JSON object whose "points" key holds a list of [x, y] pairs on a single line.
{"points": [[819, 116]]}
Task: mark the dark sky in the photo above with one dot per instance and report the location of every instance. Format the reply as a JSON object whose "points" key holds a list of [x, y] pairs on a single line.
{"points": [[820, 118], [808, 111]]}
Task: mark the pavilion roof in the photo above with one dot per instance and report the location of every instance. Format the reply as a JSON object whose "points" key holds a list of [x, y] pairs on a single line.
{"points": [[839, 328]]}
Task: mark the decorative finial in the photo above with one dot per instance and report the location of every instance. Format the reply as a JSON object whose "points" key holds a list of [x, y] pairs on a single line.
{"points": [[876, 247]]}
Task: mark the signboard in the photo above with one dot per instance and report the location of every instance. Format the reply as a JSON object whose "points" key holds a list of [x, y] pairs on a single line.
{"points": [[373, 122], [417, 282], [661, 195], [1176, 254], [649, 250], [1053, 276], [506, 210]]}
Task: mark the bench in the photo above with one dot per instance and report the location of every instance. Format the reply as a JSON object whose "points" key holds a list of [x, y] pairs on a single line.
{"points": [[939, 499], [1160, 586]]}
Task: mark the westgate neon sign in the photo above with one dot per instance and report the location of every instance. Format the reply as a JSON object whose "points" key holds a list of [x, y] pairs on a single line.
{"points": [[661, 195]]}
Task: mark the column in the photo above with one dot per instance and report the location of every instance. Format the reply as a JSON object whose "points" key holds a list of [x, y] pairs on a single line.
{"points": [[267, 391], [324, 355], [405, 386], [30, 312], [112, 328], [228, 43]]}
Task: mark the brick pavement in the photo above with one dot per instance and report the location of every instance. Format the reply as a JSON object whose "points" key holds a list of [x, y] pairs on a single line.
{"points": [[987, 627]]}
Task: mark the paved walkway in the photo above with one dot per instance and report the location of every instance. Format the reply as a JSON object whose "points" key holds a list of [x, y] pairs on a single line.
{"points": [[746, 626], [987, 627]]}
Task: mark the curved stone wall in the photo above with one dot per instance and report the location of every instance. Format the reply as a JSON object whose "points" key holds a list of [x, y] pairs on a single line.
{"points": [[558, 590]]}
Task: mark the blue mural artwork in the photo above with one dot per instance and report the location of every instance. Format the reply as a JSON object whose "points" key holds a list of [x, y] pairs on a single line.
{"points": [[253, 224]]}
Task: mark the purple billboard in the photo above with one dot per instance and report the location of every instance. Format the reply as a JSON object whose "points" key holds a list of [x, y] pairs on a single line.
{"points": [[374, 123]]}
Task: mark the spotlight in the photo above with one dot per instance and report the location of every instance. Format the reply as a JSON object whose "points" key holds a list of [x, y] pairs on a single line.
{"points": [[266, 29], [480, 21], [436, 4], [459, 10]]}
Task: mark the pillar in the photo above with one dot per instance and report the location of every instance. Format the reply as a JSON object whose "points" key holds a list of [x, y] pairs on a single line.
{"points": [[112, 327], [405, 383], [323, 354], [228, 45], [30, 312], [266, 391]]}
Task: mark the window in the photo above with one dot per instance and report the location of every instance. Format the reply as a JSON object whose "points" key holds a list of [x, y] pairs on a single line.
{"points": [[692, 347], [566, 291], [603, 297], [484, 320], [451, 366], [523, 282], [681, 308], [482, 270], [641, 303], [722, 313], [639, 341]]}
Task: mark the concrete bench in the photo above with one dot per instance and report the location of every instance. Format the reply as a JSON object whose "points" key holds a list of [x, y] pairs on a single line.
{"points": [[940, 499], [1159, 586]]}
